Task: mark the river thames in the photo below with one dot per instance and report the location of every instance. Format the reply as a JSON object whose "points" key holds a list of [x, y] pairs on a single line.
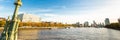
{"points": [[69, 34]]}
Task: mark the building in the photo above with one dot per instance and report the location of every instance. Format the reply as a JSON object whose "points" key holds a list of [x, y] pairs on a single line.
{"points": [[107, 22], [86, 24], [100, 25], [2, 19], [119, 20], [81, 25], [94, 24], [78, 24], [29, 18]]}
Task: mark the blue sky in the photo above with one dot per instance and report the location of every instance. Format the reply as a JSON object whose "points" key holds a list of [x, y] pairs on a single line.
{"points": [[66, 11]]}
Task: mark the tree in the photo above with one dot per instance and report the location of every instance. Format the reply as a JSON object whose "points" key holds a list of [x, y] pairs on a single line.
{"points": [[113, 26], [2, 23]]}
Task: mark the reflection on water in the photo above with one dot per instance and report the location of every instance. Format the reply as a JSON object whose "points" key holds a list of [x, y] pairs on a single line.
{"points": [[70, 34]]}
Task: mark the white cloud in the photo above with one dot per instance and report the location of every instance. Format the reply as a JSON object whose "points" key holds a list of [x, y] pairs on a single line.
{"points": [[64, 18], [44, 10], [50, 15], [111, 10], [59, 7], [39, 10]]}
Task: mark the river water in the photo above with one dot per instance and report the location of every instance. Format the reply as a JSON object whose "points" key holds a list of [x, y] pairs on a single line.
{"points": [[70, 34]]}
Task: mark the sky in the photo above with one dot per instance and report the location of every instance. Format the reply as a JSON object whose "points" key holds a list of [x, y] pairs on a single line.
{"points": [[66, 11]]}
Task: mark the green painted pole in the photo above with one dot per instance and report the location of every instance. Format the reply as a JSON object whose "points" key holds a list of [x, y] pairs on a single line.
{"points": [[12, 34], [4, 35], [11, 28]]}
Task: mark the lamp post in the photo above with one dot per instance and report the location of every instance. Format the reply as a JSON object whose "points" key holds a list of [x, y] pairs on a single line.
{"points": [[11, 28]]}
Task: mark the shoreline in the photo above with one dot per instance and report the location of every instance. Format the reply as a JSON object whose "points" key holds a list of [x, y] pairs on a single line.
{"points": [[114, 28], [47, 28], [40, 28]]}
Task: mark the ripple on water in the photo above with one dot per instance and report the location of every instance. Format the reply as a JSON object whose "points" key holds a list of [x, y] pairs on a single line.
{"points": [[70, 34]]}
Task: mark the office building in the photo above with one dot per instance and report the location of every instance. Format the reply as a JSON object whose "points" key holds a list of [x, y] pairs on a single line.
{"points": [[107, 22], [119, 20], [29, 18], [86, 24], [94, 24]]}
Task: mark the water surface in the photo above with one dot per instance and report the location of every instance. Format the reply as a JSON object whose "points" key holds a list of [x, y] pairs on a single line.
{"points": [[70, 34]]}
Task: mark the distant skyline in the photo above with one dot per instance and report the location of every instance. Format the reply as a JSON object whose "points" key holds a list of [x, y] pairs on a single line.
{"points": [[66, 11]]}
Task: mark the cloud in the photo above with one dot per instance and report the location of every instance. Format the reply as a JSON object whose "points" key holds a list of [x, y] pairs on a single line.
{"points": [[50, 15], [109, 10], [63, 18], [44, 10], [59, 7], [38, 11]]}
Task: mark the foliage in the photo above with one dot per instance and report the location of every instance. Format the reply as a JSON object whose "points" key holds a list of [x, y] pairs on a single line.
{"points": [[113, 25], [2, 23], [38, 24], [43, 24]]}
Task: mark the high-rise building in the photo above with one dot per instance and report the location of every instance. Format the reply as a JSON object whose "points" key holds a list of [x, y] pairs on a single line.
{"points": [[100, 25], [107, 22], [86, 24], [29, 18], [78, 24], [119, 20], [94, 24]]}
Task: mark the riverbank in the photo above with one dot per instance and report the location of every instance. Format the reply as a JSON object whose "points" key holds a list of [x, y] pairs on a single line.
{"points": [[113, 28], [25, 28]]}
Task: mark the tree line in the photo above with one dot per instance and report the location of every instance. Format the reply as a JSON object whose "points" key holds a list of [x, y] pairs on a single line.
{"points": [[37, 24], [114, 26]]}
